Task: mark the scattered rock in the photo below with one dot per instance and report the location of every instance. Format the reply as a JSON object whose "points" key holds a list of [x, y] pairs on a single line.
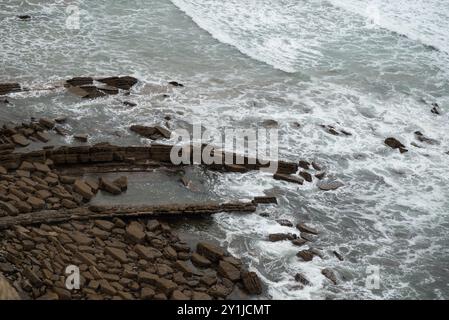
{"points": [[265, 200], [302, 279], [328, 186], [47, 123], [285, 223], [338, 255], [210, 251], [395, 144], [435, 109], [304, 164], [24, 17], [307, 176], [288, 178], [20, 140], [252, 283], [153, 133], [200, 261], [305, 228], [83, 189], [134, 232], [305, 255], [275, 237], [176, 84], [129, 104], [299, 242], [328, 273], [121, 183], [108, 186], [83, 137], [9, 208], [117, 253], [228, 270]]}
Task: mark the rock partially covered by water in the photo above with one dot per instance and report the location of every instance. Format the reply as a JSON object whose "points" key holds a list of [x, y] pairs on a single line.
{"points": [[252, 283], [395, 144], [6, 88], [153, 133], [125, 83], [328, 273], [328, 186]]}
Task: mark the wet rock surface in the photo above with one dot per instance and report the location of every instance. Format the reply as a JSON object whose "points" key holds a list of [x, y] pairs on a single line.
{"points": [[113, 266]]}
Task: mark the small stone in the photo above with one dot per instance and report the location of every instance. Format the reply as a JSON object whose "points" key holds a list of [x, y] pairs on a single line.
{"points": [[42, 167], [110, 187], [229, 271], [134, 232], [9, 208], [305, 228], [328, 273], [200, 296], [82, 137], [275, 237], [36, 203], [252, 283], [146, 293], [83, 189], [121, 183], [338, 255], [329, 186], [304, 164], [116, 253], [299, 242], [47, 123], [307, 176], [210, 251], [200, 261], [285, 223], [301, 279], [178, 295], [20, 140], [306, 255], [288, 178]]}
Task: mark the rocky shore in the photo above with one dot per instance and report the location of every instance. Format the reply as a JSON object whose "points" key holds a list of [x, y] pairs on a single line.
{"points": [[122, 252]]}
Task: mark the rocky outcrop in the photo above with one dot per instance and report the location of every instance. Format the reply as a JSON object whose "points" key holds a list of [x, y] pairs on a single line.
{"points": [[113, 266]]}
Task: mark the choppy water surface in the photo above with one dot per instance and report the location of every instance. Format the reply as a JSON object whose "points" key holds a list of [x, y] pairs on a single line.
{"points": [[365, 66]]}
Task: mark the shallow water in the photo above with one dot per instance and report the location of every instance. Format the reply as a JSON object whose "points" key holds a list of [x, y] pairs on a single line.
{"points": [[365, 66]]}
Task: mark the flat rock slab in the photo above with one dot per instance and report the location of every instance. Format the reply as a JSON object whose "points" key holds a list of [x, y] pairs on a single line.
{"points": [[328, 186]]}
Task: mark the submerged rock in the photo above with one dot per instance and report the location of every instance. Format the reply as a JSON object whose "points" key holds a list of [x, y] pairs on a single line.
{"points": [[24, 17], [275, 237], [328, 186], [288, 178], [252, 283], [6, 88], [305, 228], [153, 133], [176, 84], [302, 279], [328, 273], [395, 144]]}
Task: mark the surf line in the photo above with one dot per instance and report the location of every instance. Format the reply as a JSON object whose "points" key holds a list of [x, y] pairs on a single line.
{"points": [[201, 311]]}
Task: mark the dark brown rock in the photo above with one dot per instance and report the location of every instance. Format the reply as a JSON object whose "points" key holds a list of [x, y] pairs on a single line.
{"points": [[274, 237], [210, 251], [109, 186], [306, 255], [307, 176], [305, 228], [328, 273], [288, 178], [329, 186], [228, 270], [252, 283], [200, 261], [302, 279]]}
